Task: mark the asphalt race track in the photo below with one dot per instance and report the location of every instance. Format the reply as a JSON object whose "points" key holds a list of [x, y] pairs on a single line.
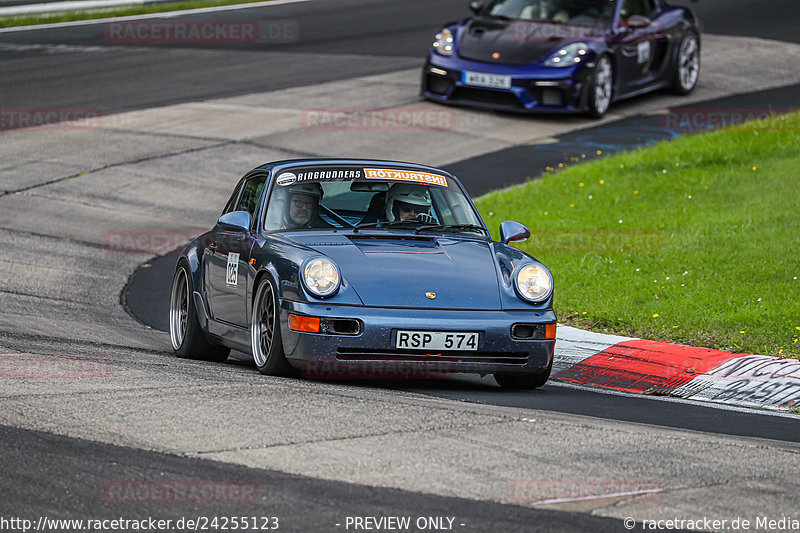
{"points": [[316, 452], [50, 464], [337, 40], [354, 37]]}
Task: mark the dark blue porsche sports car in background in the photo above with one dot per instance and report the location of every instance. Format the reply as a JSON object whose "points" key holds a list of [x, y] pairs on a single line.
{"points": [[563, 55], [361, 268]]}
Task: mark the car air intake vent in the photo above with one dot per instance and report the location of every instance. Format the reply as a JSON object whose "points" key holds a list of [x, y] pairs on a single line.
{"points": [[528, 331], [419, 356], [385, 236], [488, 96], [438, 84], [340, 326]]}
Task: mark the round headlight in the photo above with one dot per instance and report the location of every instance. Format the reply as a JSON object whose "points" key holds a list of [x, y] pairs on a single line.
{"points": [[321, 277], [534, 283]]}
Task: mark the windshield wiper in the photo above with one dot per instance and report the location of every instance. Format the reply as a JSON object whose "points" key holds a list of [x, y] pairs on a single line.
{"points": [[451, 226], [491, 16], [366, 225], [383, 223], [422, 227]]}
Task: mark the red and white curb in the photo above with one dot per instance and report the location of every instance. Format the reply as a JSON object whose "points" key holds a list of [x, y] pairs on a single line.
{"points": [[660, 368]]}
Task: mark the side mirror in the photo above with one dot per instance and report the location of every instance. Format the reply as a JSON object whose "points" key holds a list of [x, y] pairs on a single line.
{"points": [[511, 231], [476, 7], [236, 220], [637, 21]]}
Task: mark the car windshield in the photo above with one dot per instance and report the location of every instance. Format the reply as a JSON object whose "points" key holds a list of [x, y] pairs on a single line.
{"points": [[559, 11], [401, 201]]}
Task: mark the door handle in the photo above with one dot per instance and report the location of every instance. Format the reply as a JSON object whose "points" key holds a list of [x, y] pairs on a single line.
{"points": [[212, 247]]}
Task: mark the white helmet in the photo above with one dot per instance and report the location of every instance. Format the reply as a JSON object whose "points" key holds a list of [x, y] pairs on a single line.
{"points": [[415, 195]]}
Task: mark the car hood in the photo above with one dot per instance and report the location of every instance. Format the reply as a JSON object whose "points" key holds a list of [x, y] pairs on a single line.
{"points": [[400, 271], [518, 42]]}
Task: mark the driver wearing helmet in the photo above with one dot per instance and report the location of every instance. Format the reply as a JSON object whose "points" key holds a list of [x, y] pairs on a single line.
{"points": [[407, 202], [302, 209]]}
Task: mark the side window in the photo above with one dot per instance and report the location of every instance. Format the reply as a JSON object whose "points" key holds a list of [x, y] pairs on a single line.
{"points": [[251, 194], [231, 205], [643, 8]]}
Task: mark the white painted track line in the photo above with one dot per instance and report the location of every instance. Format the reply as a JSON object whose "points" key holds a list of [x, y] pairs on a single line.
{"points": [[168, 14]]}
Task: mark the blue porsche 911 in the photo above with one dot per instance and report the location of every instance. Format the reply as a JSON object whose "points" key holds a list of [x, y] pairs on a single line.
{"points": [[342, 268], [563, 55]]}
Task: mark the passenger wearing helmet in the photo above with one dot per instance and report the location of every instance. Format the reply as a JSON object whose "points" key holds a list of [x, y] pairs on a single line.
{"points": [[405, 202], [302, 209]]}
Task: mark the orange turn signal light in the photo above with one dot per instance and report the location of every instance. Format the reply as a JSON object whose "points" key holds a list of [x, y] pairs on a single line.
{"points": [[550, 331], [305, 324]]}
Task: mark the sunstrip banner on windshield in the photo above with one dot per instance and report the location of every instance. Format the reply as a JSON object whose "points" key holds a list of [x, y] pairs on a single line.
{"points": [[297, 175], [318, 174], [405, 175]]}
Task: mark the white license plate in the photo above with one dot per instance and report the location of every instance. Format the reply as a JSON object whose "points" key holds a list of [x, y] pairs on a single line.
{"points": [[436, 340], [481, 79]]}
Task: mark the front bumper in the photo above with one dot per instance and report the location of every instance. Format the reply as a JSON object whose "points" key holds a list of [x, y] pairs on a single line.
{"points": [[371, 353], [533, 88]]}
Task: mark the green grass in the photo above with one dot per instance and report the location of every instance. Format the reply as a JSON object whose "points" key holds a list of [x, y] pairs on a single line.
{"points": [[693, 241], [29, 20]]}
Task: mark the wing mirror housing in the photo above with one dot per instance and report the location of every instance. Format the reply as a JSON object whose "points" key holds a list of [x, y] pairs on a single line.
{"points": [[637, 21], [476, 7], [235, 220], [511, 231]]}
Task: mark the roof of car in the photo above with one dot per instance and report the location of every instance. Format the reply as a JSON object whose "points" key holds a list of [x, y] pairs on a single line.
{"points": [[290, 163]]}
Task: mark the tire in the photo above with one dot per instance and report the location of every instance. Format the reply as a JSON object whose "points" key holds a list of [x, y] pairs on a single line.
{"points": [[188, 341], [265, 333], [687, 70], [525, 381], [598, 99]]}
